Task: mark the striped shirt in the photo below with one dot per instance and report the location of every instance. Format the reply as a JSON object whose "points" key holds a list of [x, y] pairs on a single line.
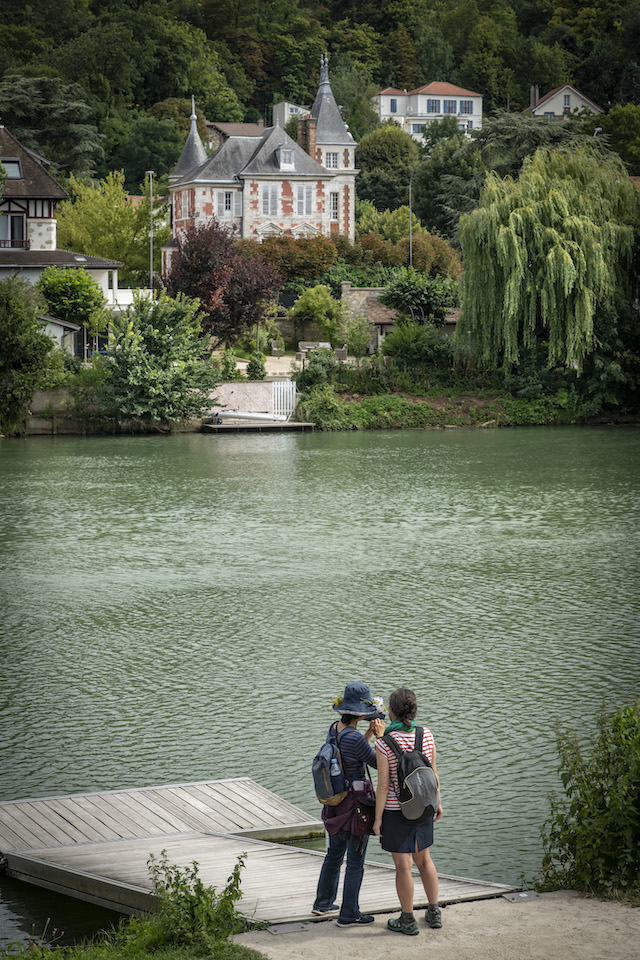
{"points": [[406, 741], [356, 752]]}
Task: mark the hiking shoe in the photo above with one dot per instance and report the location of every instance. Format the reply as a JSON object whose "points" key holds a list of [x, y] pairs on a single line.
{"points": [[400, 925], [433, 916], [352, 921]]}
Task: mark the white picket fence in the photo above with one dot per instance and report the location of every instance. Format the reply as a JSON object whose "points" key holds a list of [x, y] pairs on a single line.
{"points": [[284, 397]]}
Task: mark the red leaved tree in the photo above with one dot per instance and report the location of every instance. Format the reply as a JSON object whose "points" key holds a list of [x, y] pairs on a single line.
{"points": [[232, 281]]}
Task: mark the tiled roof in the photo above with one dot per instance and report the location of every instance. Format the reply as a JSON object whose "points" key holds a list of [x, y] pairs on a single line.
{"points": [[193, 152], [265, 160], [36, 181], [238, 129], [388, 90], [54, 258], [552, 93], [440, 89]]}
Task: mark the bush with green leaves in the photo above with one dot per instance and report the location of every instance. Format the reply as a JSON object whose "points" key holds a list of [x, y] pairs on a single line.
{"points": [[316, 306], [256, 369], [410, 342], [592, 838], [357, 332], [321, 367], [421, 296], [24, 352], [156, 369], [229, 367], [74, 296]]}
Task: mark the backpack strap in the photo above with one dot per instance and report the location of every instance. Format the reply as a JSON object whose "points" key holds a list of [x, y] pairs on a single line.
{"points": [[333, 734], [419, 735], [393, 746]]}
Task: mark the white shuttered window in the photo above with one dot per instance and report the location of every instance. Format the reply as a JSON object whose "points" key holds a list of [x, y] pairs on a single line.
{"points": [[270, 199], [305, 200]]}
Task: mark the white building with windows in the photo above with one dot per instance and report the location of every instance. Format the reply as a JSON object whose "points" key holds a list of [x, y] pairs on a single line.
{"points": [[268, 185], [415, 109], [284, 110], [560, 103]]}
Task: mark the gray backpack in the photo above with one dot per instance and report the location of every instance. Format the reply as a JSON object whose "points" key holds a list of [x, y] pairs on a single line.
{"points": [[417, 781]]}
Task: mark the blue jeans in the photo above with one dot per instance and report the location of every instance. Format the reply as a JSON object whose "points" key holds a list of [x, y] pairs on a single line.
{"points": [[355, 848]]}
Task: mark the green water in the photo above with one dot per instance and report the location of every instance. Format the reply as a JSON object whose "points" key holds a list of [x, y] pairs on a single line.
{"points": [[186, 608]]}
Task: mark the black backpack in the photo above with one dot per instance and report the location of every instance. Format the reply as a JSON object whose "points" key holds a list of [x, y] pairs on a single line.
{"points": [[331, 787], [417, 781]]}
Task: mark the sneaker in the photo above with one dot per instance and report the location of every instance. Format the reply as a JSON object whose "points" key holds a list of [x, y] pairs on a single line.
{"points": [[433, 916], [400, 925], [351, 921], [320, 911]]}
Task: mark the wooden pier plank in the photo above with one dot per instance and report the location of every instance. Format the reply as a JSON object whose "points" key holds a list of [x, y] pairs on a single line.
{"points": [[278, 882]]}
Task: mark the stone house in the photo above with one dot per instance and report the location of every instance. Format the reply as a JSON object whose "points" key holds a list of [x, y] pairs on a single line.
{"points": [[415, 109], [559, 103], [268, 185]]}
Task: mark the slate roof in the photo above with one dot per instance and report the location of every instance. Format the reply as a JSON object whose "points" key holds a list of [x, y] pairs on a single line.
{"points": [[36, 182], [17, 258], [240, 157], [193, 152], [330, 127]]}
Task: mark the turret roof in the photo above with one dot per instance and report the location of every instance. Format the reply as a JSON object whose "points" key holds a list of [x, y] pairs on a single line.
{"points": [[330, 127], [193, 152]]}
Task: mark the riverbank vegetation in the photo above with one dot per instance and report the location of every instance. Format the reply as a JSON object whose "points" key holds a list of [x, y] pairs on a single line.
{"points": [[592, 837], [192, 920]]}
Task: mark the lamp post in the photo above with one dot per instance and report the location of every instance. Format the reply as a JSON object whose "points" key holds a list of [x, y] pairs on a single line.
{"points": [[421, 160], [150, 173]]}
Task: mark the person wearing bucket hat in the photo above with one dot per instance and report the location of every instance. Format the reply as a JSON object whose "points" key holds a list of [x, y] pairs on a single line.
{"points": [[356, 753]]}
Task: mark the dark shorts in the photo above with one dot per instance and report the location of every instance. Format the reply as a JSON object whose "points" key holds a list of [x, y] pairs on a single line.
{"points": [[400, 835]]}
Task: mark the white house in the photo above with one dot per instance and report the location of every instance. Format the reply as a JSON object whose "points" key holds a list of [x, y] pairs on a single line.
{"points": [[268, 185], [560, 103], [284, 110], [416, 109]]}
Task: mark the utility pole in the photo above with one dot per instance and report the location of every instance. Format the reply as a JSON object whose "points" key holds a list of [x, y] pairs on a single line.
{"points": [[150, 174]]}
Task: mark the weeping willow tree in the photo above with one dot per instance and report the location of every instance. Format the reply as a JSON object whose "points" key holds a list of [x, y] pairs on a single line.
{"points": [[543, 253]]}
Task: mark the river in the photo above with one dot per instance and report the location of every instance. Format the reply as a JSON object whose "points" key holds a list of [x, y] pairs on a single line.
{"points": [[186, 608]]}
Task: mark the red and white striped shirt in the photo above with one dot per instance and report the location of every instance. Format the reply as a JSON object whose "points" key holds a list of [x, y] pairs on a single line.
{"points": [[406, 741]]}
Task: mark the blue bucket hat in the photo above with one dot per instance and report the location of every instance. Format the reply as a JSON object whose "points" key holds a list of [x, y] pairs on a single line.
{"points": [[358, 702]]}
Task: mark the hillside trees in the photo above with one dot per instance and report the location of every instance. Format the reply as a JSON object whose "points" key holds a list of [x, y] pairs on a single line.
{"points": [[549, 259], [233, 285], [386, 157]]}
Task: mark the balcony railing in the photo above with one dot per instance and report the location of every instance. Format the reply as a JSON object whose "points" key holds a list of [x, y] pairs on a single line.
{"points": [[15, 244]]}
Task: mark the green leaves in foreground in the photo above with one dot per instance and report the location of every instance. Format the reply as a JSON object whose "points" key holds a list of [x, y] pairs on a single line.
{"points": [[592, 838]]}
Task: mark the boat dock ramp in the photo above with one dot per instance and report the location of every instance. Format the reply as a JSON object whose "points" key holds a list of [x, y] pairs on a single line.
{"points": [[96, 847]]}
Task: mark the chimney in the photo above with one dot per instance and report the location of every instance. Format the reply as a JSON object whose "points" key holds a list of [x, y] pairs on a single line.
{"points": [[534, 94], [307, 135]]}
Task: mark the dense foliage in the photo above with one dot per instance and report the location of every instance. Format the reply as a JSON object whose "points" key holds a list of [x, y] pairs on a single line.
{"points": [[546, 255], [155, 370], [592, 838], [74, 296], [24, 348], [90, 77], [233, 283], [423, 297], [192, 920]]}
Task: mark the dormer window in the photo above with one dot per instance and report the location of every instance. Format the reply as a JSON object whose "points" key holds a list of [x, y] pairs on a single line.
{"points": [[12, 168], [286, 159]]}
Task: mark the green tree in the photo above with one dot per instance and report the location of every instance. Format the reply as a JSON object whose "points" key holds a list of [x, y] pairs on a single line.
{"points": [[233, 282], [622, 126], [156, 368], [74, 296], [357, 335], [317, 306], [24, 347], [53, 118], [386, 157], [422, 297], [100, 220], [149, 144], [545, 253]]}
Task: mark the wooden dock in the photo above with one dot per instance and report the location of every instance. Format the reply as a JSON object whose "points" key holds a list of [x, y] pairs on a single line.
{"points": [[96, 846], [252, 426]]}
